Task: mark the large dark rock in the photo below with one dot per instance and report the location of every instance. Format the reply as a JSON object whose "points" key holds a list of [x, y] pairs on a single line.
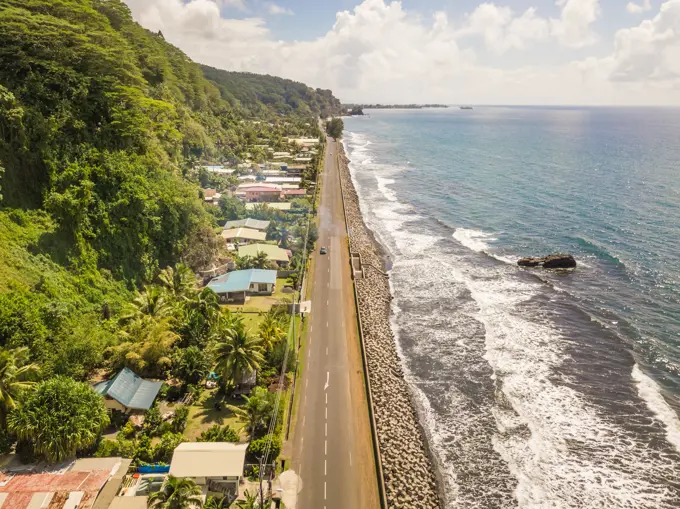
{"points": [[554, 261]]}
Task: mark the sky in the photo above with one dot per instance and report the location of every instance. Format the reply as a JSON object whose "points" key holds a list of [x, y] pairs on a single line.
{"points": [[568, 52]]}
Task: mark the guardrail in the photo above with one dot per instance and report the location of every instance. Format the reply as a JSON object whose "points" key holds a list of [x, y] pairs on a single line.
{"points": [[374, 431]]}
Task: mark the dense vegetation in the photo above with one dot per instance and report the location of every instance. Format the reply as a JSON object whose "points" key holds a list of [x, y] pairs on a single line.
{"points": [[335, 127], [102, 226], [262, 96]]}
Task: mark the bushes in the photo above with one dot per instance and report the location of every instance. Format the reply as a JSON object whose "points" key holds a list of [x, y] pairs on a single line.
{"points": [[218, 433], [256, 449]]}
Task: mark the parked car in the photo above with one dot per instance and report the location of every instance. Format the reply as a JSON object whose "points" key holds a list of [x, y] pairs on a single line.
{"points": [[323, 250]]}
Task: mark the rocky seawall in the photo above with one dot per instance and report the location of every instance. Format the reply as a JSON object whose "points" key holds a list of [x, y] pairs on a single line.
{"points": [[410, 481]]}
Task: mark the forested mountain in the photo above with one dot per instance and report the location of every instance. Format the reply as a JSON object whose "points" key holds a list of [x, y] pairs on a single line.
{"points": [[100, 122], [260, 95]]}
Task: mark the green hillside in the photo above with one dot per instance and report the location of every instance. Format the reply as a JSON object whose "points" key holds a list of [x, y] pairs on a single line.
{"points": [[101, 124], [259, 95]]}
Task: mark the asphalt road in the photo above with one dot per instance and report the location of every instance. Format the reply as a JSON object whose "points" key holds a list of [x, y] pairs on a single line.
{"points": [[332, 442]]}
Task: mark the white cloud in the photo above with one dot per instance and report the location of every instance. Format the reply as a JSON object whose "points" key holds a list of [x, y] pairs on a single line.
{"points": [[502, 31], [634, 8], [381, 52], [276, 9], [650, 51], [573, 29]]}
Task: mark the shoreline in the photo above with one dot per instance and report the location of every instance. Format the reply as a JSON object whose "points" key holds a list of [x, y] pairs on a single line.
{"points": [[411, 479]]}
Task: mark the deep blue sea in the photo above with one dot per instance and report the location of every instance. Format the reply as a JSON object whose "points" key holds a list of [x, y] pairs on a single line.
{"points": [[536, 389]]}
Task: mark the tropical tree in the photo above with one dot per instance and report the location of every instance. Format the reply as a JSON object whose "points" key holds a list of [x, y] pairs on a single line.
{"points": [[15, 378], [152, 302], [261, 260], [238, 354], [200, 317], [245, 263], [146, 347], [217, 503], [177, 493], [178, 281], [59, 418], [256, 411], [191, 364], [270, 331], [250, 501]]}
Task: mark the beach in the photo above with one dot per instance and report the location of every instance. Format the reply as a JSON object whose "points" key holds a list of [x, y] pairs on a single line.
{"points": [[410, 480]]}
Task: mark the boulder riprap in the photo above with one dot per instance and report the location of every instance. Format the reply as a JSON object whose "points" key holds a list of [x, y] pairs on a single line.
{"points": [[409, 475], [554, 261]]}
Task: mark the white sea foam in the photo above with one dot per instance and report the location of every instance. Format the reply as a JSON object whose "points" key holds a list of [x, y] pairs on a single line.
{"points": [[649, 392], [553, 448], [473, 239]]}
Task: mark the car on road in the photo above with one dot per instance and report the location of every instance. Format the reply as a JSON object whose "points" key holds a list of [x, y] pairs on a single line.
{"points": [[323, 250]]}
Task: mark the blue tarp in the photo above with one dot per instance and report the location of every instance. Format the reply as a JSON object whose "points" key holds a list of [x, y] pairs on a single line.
{"points": [[154, 469]]}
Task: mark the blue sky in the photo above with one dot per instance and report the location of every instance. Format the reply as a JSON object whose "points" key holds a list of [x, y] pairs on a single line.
{"points": [[467, 51]]}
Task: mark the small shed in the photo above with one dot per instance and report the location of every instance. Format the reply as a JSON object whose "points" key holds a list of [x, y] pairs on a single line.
{"points": [[128, 392]]}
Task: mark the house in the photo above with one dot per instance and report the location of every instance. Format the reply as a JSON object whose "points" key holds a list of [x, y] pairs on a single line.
{"points": [[295, 169], [86, 483], [262, 193], [128, 392], [272, 205], [214, 466], [243, 235], [303, 159], [274, 253], [211, 195], [234, 286], [304, 142], [255, 224], [293, 193], [280, 155], [283, 180]]}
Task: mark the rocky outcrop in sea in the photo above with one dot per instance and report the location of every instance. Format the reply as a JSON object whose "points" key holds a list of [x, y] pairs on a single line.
{"points": [[410, 481]]}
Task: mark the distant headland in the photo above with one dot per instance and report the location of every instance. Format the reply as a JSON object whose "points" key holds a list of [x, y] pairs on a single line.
{"points": [[358, 109]]}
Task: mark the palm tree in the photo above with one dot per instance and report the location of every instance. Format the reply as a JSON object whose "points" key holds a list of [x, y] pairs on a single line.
{"points": [[238, 355], [177, 493], [261, 260], [256, 411], [270, 331], [15, 374], [250, 501], [151, 302], [217, 503], [179, 281]]}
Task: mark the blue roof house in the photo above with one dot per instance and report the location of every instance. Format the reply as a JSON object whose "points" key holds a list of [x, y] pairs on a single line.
{"points": [[128, 392], [234, 286]]}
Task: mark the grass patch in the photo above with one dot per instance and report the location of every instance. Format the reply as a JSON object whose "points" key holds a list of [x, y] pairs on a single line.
{"points": [[203, 415]]}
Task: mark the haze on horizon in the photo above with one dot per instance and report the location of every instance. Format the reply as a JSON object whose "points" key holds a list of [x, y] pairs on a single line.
{"points": [[572, 52]]}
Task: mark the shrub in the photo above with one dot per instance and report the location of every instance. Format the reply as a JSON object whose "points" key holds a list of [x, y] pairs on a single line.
{"points": [[180, 419], [107, 448], [164, 449], [257, 447], [218, 433]]}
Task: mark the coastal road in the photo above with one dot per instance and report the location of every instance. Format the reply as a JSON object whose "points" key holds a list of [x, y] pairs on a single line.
{"points": [[332, 448]]}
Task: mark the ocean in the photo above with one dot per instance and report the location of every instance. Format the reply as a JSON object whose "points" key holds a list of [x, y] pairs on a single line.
{"points": [[536, 389]]}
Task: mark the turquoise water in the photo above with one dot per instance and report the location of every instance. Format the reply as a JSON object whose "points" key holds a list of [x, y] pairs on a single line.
{"points": [[537, 389]]}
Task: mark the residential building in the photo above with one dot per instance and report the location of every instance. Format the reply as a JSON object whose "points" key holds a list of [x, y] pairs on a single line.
{"points": [[293, 193], [262, 193], [304, 142], [243, 235], [215, 466], [128, 392], [255, 224], [280, 155], [211, 195], [272, 205], [235, 286], [87, 483], [303, 159], [281, 180], [274, 253]]}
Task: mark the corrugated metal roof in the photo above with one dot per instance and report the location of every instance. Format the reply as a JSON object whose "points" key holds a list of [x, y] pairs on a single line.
{"points": [[273, 252], [255, 224], [130, 390], [240, 280], [208, 459], [244, 233]]}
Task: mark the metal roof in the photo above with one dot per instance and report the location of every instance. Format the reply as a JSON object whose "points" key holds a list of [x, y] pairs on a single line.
{"points": [[244, 233], [130, 390], [273, 252], [255, 224], [208, 459], [240, 280]]}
